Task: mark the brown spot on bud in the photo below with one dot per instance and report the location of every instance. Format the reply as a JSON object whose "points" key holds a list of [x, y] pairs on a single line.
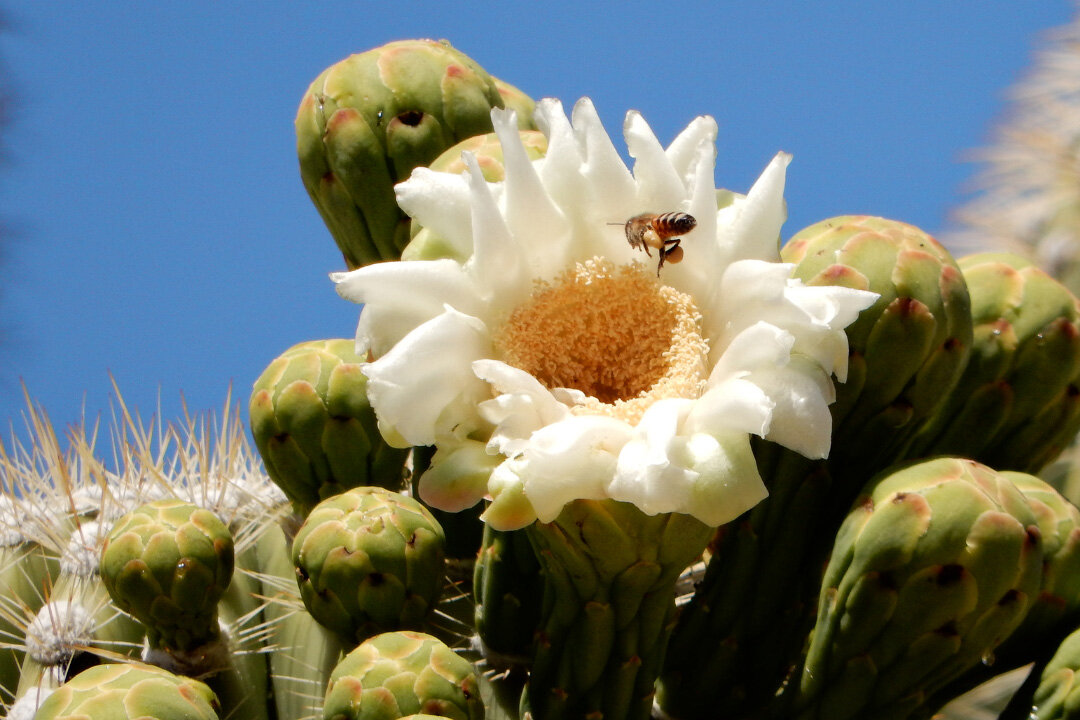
{"points": [[1010, 597], [412, 118], [886, 581], [950, 574]]}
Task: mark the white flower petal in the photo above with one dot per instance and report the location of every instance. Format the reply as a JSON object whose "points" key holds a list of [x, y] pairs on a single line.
{"points": [[648, 473], [732, 405], [697, 275], [424, 388], [755, 227], [560, 168], [658, 183], [539, 229], [570, 460], [685, 149], [497, 264], [440, 203], [830, 309], [802, 393], [521, 407], [612, 193], [397, 297], [760, 345], [728, 482]]}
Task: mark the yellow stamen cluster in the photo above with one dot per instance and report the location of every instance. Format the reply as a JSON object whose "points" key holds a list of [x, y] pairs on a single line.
{"points": [[613, 332]]}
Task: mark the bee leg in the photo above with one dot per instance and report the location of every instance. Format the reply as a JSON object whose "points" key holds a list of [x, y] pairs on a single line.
{"points": [[666, 251]]}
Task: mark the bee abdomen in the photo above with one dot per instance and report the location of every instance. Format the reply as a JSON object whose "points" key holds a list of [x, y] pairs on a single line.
{"points": [[670, 224]]}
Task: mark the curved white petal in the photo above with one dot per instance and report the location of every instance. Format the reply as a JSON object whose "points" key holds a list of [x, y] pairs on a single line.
{"points": [[649, 473], [802, 393], [728, 482], [569, 460], [684, 150], [658, 183], [540, 231], [560, 169], [667, 468], [397, 297], [747, 292], [611, 192], [760, 345], [439, 202], [521, 407], [424, 388], [829, 309], [497, 264], [734, 404], [753, 223], [697, 274]]}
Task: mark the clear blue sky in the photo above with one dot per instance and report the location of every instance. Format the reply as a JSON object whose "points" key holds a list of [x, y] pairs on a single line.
{"points": [[161, 233]]}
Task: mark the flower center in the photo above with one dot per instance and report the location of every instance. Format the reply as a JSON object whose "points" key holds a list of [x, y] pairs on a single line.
{"points": [[615, 333]]}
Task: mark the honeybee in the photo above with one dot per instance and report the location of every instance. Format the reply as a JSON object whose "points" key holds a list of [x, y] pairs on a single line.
{"points": [[660, 231]]}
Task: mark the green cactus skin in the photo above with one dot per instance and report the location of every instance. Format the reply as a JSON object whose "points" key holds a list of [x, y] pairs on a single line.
{"points": [[314, 428], [168, 563], [426, 245], [740, 634], [403, 673], [1017, 405], [129, 692], [367, 121], [609, 601], [369, 560], [1057, 696], [937, 563], [508, 585]]}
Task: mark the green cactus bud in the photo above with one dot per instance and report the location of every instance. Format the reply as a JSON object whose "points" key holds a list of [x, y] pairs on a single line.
{"points": [[907, 351], [1056, 608], [936, 564], [426, 245], [168, 563], [1057, 696], [314, 427], [1014, 406], [369, 560], [129, 692], [367, 121], [401, 673]]}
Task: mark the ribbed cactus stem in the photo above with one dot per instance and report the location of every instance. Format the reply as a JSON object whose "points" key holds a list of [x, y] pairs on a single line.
{"points": [[746, 624], [610, 598]]}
